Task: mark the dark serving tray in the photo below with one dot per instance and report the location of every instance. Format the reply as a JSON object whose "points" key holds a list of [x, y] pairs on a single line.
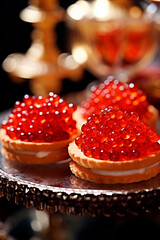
{"points": [[55, 188]]}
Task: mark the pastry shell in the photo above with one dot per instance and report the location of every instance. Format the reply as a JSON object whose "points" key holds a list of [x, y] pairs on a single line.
{"points": [[139, 169], [34, 153]]}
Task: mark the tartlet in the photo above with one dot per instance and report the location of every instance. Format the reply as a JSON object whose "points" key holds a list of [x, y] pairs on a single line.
{"points": [[38, 130], [115, 147], [115, 94]]}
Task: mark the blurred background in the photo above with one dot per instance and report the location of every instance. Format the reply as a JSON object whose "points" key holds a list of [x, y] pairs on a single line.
{"points": [[11, 41], [85, 59], [16, 38]]}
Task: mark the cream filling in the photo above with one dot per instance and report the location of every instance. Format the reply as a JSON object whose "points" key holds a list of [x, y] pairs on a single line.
{"points": [[37, 154], [123, 173], [41, 154]]}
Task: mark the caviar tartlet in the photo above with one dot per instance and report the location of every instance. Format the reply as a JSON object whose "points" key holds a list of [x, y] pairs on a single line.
{"points": [[115, 94], [115, 147], [38, 130]]}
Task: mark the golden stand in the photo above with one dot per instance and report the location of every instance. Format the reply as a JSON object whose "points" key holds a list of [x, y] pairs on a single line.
{"points": [[42, 63]]}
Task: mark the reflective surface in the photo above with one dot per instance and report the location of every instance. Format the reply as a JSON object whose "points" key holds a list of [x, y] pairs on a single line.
{"points": [[55, 188], [57, 177]]}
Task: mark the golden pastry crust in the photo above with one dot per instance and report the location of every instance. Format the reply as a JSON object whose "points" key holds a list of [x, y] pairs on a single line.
{"points": [[34, 153], [87, 174], [77, 155], [152, 120], [85, 167], [35, 158], [28, 146]]}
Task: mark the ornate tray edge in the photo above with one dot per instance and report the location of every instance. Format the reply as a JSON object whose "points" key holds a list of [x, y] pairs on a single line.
{"points": [[71, 202]]}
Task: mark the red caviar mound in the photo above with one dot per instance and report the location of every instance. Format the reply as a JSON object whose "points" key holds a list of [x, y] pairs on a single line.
{"points": [[41, 119], [117, 95], [39, 130], [117, 135], [115, 147]]}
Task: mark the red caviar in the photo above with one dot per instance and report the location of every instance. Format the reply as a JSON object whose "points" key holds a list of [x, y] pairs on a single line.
{"points": [[117, 135], [41, 119], [117, 95]]}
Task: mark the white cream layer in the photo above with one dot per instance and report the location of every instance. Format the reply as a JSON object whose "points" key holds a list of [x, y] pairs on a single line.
{"points": [[37, 154], [41, 154], [123, 173]]}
